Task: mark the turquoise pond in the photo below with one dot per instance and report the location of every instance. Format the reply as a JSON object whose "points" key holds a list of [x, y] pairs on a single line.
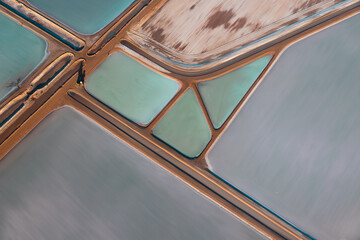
{"points": [[139, 94], [222, 94], [91, 185], [84, 16], [130, 88], [137, 135], [294, 146], [184, 126], [21, 51]]}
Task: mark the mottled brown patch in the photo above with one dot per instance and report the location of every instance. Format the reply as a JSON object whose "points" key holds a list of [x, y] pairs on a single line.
{"points": [[194, 5], [177, 45], [256, 26], [158, 35], [285, 24], [312, 12], [183, 47], [146, 24], [219, 18], [238, 24]]}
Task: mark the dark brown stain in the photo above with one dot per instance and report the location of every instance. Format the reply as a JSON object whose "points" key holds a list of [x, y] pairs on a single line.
{"points": [[146, 24], [14, 83], [194, 5], [183, 47], [148, 27], [306, 4], [155, 32], [312, 12], [207, 59], [179, 46], [219, 18], [292, 21], [238, 24], [256, 26], [158, 35]]}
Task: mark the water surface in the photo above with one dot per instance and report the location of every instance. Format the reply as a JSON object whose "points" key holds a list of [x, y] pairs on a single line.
{"points": [[294, 147], [71, 179], [84, 16], [20, 52], [130, 88], [184, 127], [222, 94]]}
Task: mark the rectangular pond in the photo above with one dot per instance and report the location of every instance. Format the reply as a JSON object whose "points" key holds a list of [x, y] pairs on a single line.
{"points": [[21, 51], [71, 179], [294, 146]]}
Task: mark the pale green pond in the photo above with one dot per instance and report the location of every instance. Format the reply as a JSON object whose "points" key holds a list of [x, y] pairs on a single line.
{"points": [[222, 94], [184, 126], [84, 16], [21, 51], [130, 88]]}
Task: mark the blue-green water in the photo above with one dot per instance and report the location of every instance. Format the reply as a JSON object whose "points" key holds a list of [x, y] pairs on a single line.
{"points": [[71, 179], [184, 127], [130, 88], [20, 52], [84, 16], [294, 146], [222, 94]]}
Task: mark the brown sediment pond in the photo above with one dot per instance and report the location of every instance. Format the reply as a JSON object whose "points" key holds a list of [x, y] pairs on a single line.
{"points": [[210, 24], [203, 27]]}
